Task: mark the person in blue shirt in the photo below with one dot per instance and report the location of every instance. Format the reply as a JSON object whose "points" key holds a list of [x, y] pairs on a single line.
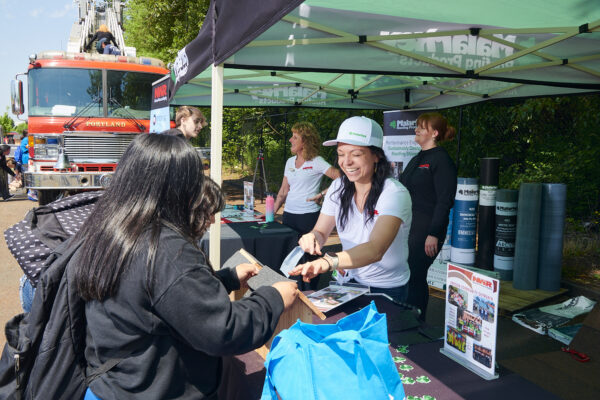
{"points": [[108, 48]]}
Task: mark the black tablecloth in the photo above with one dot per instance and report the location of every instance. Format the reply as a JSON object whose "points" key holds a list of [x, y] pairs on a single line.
{"points": [[269, 243], [425, 372]]}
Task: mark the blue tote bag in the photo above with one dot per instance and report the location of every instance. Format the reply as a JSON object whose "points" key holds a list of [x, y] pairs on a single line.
{"points": [[347, 360]]}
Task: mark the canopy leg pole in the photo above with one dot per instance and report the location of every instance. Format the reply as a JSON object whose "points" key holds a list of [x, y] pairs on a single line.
{"points": [[216, 152], [460, 114]]}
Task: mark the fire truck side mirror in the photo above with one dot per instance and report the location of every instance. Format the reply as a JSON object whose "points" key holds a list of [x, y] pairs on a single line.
{"points": [[16, 97]]}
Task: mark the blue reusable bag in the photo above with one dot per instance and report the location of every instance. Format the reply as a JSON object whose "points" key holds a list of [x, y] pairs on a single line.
{"points": [[347, 360]]}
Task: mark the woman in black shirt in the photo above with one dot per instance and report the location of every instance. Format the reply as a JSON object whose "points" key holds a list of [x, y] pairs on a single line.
{"points": [[430, 177]]}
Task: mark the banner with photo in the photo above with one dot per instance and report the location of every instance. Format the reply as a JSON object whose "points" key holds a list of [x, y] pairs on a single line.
{"points": [[399, 138], [471, 320], [159, 107]]}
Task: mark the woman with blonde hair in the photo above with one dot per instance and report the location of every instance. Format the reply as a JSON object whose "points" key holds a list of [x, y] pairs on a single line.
{"points": [[302, 179], [189, 121], [101, 33]]}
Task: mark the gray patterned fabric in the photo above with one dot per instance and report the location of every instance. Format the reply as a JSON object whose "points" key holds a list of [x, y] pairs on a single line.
{"points": [[34, 238]]}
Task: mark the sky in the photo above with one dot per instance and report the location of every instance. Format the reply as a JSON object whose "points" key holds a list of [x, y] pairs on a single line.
{"points": [[28, 27]]}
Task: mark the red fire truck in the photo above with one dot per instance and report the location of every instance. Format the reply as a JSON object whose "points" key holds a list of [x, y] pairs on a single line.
{"points": [[83, 110]]}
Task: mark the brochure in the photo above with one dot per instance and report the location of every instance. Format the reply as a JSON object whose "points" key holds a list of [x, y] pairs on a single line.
{"points": [[564, 334], [542, 319], [335, 295]]}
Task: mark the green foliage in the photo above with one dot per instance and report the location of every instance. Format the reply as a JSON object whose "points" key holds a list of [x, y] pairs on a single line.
{"points": [[549, 140], [160, 28], [7, 123]]}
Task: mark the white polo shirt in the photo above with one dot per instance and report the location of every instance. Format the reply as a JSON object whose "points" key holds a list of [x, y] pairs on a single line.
{"points": [[304, 183], [392, 270]]}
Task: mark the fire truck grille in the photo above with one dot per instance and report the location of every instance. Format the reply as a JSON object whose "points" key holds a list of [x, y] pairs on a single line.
{"points": [[89, 148]]}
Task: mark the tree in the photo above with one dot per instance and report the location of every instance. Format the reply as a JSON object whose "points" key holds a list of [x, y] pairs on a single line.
{"points": [[160, 28], [7, 123]]}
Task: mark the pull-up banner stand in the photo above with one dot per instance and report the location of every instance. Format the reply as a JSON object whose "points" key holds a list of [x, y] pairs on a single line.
{"points": [[399, 138], [159, 107]]}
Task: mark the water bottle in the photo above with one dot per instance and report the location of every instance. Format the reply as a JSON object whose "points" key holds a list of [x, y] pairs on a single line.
{"points": [[269, 214]]}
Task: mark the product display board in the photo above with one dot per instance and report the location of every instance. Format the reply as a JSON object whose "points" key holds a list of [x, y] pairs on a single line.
{"points": [[471, 320], [399, 138]]}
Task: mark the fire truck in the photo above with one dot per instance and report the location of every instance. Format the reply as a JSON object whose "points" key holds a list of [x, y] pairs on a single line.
{"points": [[84, 108]]}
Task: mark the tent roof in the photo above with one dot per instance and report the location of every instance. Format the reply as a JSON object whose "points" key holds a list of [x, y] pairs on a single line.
{"points": [[391, 54]]}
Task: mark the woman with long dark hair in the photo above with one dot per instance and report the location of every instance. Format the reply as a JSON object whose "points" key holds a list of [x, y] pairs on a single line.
{"points": [[430, 177], [151, 298], [371, 211]]}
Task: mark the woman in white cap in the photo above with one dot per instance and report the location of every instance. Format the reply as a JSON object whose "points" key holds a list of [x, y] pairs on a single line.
{"points": [[372, 214]]}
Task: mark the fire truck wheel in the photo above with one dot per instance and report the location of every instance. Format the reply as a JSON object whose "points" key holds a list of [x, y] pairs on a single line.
{"points": [[48, 196]]}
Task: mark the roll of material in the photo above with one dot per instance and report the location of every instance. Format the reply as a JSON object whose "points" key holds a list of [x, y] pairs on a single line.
{"points": [[552, 225], [527, 242], [464, 223], [488, 185], [505, 232]]}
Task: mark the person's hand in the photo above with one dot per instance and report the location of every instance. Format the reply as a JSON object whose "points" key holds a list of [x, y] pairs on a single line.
{"points": [[311, 269], [317, 198], [431, 246], [288, 291], [245, 272], [309, 244]]}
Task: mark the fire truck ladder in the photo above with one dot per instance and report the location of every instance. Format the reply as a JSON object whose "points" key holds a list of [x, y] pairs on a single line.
{"points": [[92, 14]]}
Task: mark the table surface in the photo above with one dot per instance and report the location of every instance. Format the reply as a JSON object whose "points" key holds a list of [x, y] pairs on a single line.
{"points": [[270, 243], [425, 372]]}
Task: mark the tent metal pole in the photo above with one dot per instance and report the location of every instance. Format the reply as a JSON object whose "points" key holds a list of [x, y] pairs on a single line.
{"points": [[216, 152], [460, 114]]}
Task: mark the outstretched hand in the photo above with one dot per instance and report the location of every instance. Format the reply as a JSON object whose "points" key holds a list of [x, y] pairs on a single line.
{"points": [[311, 269]]}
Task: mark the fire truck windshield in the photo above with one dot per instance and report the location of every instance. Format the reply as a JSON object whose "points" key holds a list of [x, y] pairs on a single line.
{"points": [[64, 92]]}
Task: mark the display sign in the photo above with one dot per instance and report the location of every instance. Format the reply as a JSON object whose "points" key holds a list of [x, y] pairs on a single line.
{"points": [[399, 138], [471, 320], [249, 197], [159, 107]]}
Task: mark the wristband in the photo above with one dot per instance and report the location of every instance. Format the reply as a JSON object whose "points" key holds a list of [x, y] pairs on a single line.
{"points": [[333, 260]]}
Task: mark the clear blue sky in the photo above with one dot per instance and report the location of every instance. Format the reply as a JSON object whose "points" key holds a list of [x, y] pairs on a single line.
{"points": [[27, 27]]}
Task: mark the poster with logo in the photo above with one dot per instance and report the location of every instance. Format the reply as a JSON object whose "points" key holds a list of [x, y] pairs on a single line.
{"points": [[159, 108], [249, 197], [471, 320], [399, 138]]}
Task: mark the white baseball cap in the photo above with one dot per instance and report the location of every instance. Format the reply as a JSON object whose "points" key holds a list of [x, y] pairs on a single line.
{"points": [[359, 131]]}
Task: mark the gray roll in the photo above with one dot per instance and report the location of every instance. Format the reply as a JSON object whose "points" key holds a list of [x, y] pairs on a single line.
{"points": [[505, 232], [527, 244], [552, 225]]}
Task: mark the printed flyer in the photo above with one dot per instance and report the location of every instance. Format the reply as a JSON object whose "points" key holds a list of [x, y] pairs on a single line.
{"points": [[471, 320], [249, 197]]}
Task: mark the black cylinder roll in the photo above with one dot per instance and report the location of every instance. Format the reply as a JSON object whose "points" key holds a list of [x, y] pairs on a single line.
{"points": [[488, 185], [506, 230], [528, 237], [552, 225]]}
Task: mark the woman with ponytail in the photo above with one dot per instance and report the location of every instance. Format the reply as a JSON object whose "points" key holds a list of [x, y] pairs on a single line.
{"points": [[431, 180], [371, 211]]}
